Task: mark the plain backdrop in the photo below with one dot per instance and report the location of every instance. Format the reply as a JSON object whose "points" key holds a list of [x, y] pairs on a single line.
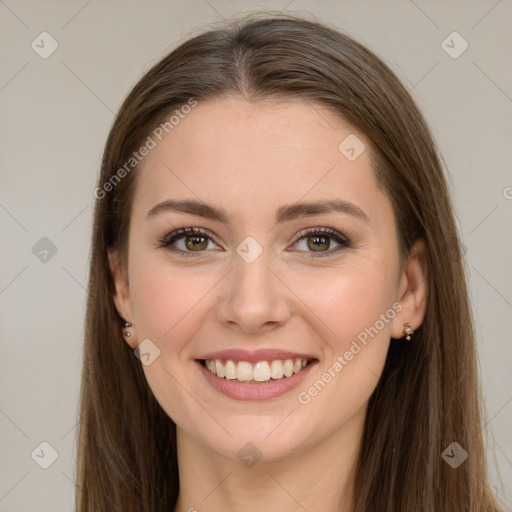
{"points": [[55, 113]]}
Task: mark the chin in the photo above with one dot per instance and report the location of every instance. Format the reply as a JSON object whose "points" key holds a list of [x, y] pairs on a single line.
{"points": [[262, 438]]}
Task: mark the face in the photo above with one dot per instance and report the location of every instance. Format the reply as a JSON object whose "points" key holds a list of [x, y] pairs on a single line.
{"points": [[248, 276]]}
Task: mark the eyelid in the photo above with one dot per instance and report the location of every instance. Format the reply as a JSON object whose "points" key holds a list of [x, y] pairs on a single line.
{"points": [[325, 230], [343, 241], [167, 241], [177, 233]]}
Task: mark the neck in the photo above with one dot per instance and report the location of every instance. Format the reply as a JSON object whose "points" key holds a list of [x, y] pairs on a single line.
{"points": [[318, 477]]}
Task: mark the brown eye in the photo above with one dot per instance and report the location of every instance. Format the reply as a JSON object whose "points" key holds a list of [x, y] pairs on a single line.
{"points": [[188, 240], [319, 242], [196, 243]]}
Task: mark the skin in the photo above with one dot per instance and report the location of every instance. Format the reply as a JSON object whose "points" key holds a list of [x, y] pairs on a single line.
{"points": [[250, 159]]}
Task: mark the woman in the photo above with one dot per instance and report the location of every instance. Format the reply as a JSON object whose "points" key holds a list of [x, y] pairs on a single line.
{"points": [[278, 314]]}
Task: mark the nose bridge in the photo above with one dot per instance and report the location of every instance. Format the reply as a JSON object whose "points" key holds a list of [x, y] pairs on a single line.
{"points": [[254, 295]]}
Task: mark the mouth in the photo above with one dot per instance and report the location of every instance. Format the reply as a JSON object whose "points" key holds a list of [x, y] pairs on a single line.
{"points": [[256, 380], [255, 372]]}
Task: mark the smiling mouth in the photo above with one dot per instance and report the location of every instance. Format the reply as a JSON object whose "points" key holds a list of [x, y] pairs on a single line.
{"points": [[256, 373]]}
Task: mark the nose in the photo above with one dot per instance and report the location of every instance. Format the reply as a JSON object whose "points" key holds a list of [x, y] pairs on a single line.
{"points": [[254, 298]]}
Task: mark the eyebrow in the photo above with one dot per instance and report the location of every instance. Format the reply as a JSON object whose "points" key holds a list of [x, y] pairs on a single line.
{"points": [[283, 214]]}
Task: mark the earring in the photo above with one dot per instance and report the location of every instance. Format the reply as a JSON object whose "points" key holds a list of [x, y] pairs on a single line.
{"points": [[408, 330], [125, 331]]}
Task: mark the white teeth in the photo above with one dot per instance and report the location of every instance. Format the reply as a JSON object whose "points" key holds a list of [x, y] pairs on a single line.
{"points": [[230, 370], [288, 368], [211, 366], [276, 369], [243, 370], [221, 372], [262, 371]]}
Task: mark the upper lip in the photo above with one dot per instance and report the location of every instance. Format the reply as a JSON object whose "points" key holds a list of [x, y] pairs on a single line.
{"points": [[263, 354]]}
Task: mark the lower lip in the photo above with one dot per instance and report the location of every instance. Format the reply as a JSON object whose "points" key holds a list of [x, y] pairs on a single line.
{"points": [[260, 391]]}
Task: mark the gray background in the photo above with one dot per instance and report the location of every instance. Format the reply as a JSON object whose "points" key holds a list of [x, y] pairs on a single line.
{"points": [[55, 116]]}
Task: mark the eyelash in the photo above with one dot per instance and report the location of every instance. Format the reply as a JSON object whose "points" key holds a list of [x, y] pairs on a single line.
{"points": [[329, 232]]}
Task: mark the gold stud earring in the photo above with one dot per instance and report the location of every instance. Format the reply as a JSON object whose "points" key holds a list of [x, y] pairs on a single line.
{"points": [[408, 330]]}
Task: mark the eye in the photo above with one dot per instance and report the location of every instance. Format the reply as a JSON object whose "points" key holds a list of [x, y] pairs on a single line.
{"points": [[187, 241], [319, 241], [315, 241]]}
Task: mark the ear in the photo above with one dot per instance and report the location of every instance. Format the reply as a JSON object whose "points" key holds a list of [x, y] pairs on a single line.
{"points": [[121, 295], [412, 290]]}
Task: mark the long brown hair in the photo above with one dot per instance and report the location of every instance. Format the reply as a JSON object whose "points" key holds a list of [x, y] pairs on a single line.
{"points": [[427, 396]]}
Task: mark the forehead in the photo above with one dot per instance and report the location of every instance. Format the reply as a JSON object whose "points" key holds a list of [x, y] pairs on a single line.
{"points": [[233, 152]]}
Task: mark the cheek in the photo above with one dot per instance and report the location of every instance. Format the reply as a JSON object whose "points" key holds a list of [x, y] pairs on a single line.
{"points": [[348, 299], [355, 310], [166, 299], [166, 305]]}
